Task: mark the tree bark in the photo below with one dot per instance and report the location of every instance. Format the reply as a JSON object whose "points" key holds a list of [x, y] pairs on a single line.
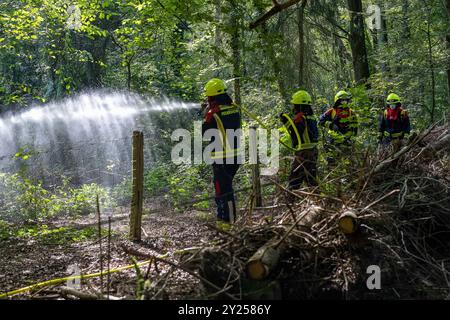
{"points": [[357, 41], [405, 33], [447, 5], [342, 74], [432, 74], [301, 43], [129, 75], [217, 33], [235, 47], [382, 36], [270, 54]]}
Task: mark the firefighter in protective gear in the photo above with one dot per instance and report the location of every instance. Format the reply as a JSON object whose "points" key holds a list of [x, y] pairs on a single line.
{"points": [[394, 123], [304, 135], [221, 114], [341, 123]]}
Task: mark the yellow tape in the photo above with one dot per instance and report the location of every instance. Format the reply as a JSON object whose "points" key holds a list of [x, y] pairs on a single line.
{"points": [[60, 280], [88, 276]]}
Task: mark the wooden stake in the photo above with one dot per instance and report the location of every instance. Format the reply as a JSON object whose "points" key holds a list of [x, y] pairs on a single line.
{"points": [[256, 180], [108, 280], [99, 220], [138, 186]]}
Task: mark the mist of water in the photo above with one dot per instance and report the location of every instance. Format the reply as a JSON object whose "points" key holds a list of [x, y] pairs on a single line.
{"points": [[86, 132]]}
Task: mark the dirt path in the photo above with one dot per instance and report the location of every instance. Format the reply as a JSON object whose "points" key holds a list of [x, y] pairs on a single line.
{"points": [[27, 261]]}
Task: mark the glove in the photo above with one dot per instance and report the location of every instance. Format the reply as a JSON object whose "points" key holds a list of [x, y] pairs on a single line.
{"points": [[283, 118]]}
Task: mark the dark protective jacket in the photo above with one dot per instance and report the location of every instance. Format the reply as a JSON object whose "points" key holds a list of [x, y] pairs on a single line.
{"points": [[223, 117], [305, 128], [395, 123], [341, 122]]}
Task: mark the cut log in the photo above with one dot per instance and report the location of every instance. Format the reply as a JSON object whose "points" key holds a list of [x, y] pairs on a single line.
{"points": [[348, 222], [266, 258]]}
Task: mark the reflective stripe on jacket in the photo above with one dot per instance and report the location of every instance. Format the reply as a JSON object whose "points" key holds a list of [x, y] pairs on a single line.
{"points": [[344, 119], [394, 123], [224, 118], [303, 129]]}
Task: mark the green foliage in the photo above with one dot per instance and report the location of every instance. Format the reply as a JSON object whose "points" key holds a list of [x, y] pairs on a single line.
{"points": [[173, 47], [123, 192], [23, 199], [61, 235], [47, 235], [156, 180], [82, 200], [189, 183], [5, 230]]}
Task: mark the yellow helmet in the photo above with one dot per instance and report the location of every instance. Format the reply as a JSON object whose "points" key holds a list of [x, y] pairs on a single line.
{"points": [[393, 98], [301, 97], [214, 87], [342, 95]]}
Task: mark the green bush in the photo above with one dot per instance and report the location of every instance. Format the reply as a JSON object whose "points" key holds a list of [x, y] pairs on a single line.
{"points": [[5, 230], [25, 200], [83, 200], [60, 235], [156, 180], [123, 192], [189, 183]]}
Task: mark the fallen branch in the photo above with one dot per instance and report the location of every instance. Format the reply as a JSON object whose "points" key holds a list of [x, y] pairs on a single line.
{"points": [[162, 258], [65, 291], [266, 258], [384, 164]]}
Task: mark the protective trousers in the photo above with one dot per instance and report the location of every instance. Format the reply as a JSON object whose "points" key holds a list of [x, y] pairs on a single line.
{"points": [[304, 168], [223, 183]]}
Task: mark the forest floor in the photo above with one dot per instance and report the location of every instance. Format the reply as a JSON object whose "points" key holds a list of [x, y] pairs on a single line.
{"points": [[25, 261]]}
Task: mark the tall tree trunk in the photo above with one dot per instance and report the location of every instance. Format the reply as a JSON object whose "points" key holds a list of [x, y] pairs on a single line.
{"points": [[447, 5], [405, 34], [357, 41], [382, 35], [405, 22], [431, 66], [129, 74], [342, 75], [301, 43], [217, 32], [267, 46], [236, 48]]}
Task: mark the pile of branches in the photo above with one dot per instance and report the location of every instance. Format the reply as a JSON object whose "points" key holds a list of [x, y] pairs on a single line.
{"points": [[397, 222]]}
